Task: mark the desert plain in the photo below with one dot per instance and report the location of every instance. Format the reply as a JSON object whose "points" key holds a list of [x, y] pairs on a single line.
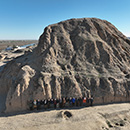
{"points": [[104, 117]]}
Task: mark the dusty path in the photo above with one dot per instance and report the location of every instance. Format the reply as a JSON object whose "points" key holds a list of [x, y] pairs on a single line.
{"points": [[107, 117]]}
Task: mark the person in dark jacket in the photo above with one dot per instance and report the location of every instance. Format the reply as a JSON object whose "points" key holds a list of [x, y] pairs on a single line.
{"points": [[67, 102], [60, 102], [91, 101], [38, 104], [55, 103], [70, 102], [87, 101], [76, 100], [42, 103], [48, 103], [31, 105], [80, 101], [51, 103]]}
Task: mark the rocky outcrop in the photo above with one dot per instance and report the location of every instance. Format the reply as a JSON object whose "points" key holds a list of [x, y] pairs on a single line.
{"points": [[77, 57]]}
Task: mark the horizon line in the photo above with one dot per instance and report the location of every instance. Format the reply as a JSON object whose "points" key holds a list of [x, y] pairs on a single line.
{"points": [[17, 39]]}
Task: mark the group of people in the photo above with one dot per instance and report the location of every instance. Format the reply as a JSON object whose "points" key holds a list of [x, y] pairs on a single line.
{"points": [[60, 103]]}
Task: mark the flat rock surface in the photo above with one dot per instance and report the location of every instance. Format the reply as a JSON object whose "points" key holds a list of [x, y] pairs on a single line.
{"points": [[105, 117]]}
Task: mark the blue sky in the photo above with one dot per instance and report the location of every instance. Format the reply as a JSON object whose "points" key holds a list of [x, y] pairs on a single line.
{"points": [[26, 19]]}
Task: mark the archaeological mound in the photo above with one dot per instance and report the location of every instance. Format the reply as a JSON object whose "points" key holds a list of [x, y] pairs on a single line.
{"points": [[74, 58]]}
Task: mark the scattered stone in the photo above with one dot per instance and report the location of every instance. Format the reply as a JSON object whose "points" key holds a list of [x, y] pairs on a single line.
{"points": [[65, 114], [109, 124], [117, 124], [68, 114]]}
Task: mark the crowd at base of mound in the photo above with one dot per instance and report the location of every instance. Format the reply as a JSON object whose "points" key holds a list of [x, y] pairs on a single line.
{"points": [[60, 103]]}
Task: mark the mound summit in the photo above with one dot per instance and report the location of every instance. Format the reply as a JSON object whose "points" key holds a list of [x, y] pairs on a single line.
{"points": [[77, 57]]}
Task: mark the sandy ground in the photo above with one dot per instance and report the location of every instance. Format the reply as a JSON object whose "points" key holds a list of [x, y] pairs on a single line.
{"points": [[105, 117]]}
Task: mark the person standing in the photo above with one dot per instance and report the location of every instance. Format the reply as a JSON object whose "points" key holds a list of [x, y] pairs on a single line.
{"points": [[35, 104], [38, 104], [64, 102], [70, 102], [73, 101], [87, 101], [67, 102], [84, 101], [48, 103], [76, 101], [60, 102], [45, 104], [31, 105], [80, 101], [91, 101], [51, 103], [55, 103]]}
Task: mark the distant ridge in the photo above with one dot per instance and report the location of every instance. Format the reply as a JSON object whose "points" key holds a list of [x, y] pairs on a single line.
{"points": [[6, 43]]}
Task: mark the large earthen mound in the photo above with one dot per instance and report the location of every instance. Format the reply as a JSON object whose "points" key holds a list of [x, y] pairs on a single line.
{"points": [[77, 57]]}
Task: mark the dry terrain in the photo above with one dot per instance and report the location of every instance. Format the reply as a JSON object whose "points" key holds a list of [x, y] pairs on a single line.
{"points": [[106, 117], [6, 57], [6, 43], [74, 58]]}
